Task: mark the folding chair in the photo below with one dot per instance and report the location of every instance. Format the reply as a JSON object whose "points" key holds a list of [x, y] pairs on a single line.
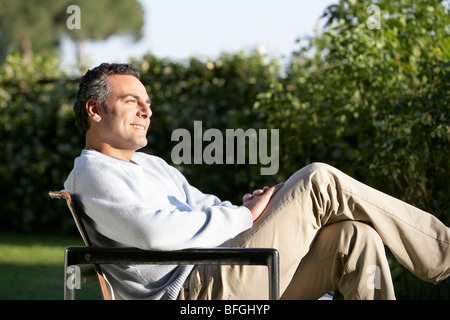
{"points": [[96, 256]]}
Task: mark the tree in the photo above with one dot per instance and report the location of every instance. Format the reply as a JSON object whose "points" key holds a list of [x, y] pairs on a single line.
{"points": [[26, 25], [35, 25], [373, 101], [102, 19]]}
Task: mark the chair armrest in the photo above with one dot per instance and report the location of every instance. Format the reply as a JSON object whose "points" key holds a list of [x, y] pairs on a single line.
{"points": [[222, 256]]}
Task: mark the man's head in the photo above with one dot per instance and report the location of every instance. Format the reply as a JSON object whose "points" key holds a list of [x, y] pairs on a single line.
{"points": [[94, 85], [113, 109]]}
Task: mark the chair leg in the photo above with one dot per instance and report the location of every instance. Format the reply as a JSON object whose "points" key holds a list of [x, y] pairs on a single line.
{"points": [[69, 290]]}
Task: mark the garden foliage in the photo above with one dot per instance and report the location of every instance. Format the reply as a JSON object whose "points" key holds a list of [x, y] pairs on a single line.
{"points": [[374, 102]]}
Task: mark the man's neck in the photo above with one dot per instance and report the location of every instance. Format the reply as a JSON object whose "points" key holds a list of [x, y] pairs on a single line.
{"points": [[126, 155]]}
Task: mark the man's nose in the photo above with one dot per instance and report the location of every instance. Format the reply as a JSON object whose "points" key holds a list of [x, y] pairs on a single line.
{"points": [[144, 111]]}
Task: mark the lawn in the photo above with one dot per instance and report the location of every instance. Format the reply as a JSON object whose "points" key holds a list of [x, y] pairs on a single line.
{"points": [[32, 268]]}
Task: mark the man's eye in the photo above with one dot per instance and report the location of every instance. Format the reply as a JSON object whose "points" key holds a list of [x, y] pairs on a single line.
{"points": [[131, 101]]}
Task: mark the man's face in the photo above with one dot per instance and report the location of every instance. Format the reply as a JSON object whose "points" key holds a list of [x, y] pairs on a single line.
{"points": [[124, 125]]}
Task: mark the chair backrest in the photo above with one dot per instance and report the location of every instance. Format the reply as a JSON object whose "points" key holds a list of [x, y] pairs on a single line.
{"points": [[81, 229]]}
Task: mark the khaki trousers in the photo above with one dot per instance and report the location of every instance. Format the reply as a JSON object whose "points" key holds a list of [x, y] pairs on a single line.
{"points": [[330, 231]]}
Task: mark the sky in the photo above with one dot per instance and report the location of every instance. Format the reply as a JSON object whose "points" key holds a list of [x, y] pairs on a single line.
{"points": [[179, 29]]}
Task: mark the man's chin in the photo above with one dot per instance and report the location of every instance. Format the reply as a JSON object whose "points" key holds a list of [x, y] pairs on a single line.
{"points": [[142, 145]]}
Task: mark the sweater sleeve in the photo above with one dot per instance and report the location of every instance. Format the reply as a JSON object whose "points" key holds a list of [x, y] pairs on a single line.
{"points": [[194, 197], [120, 211]]}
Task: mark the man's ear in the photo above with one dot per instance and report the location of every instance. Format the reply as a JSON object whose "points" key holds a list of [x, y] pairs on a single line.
{"points": [[94, 110]]}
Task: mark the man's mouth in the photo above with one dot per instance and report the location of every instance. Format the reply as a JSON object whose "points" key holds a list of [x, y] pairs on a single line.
{"points": [[137, 126]]}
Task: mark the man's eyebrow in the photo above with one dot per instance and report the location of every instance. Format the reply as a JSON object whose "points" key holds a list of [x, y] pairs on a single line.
{"points": [[136, 96]]}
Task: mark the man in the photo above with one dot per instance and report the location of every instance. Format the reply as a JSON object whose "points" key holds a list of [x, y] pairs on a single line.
{"points": [[330, 229]]}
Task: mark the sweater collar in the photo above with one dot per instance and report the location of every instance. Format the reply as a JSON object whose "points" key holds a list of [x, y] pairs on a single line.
{"points": [[87, 151]]}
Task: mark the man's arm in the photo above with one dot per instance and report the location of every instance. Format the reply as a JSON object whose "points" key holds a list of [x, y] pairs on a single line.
{"points": [[158, 212]]}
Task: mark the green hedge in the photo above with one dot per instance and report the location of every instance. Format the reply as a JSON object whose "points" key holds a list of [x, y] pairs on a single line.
{"points": [[38, 142]]}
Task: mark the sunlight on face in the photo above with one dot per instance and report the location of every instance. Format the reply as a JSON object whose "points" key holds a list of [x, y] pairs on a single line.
{"points": [[124, 125]]}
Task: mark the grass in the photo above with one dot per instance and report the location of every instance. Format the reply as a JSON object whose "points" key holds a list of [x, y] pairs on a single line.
{"points": [[32, 268]]}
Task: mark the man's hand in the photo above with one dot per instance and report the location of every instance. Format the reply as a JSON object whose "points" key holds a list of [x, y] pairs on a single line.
{"points": [[258, 201]]}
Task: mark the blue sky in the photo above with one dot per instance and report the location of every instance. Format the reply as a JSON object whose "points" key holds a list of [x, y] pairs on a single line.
{"points": [[179, 29]]}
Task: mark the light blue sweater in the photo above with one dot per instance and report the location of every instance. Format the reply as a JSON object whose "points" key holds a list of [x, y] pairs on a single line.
{"points": [[148, 204]]}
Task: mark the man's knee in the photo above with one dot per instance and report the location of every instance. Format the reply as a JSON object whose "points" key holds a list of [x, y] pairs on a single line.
{"points": [[318, 167], [356, 235], [320, 171], [368, 234]]}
